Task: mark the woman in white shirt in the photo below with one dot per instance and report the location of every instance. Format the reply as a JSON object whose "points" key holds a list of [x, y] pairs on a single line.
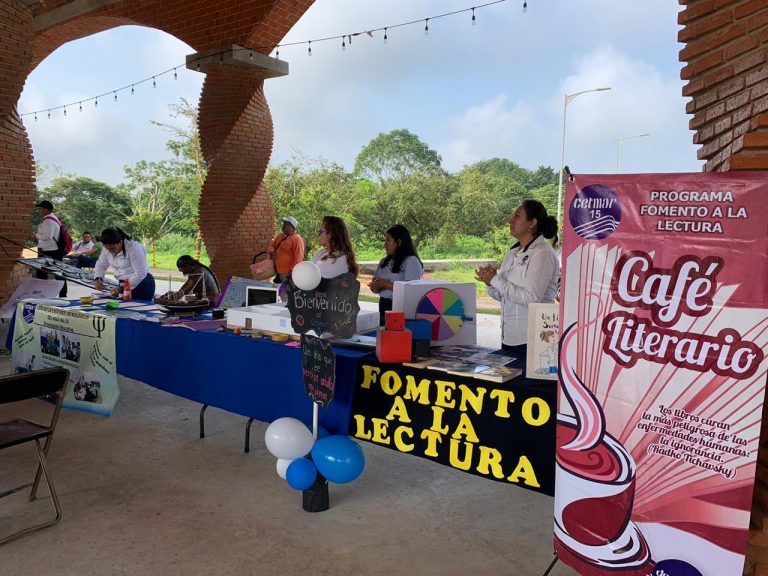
{"points": [[336, 256], [402, 262], [529, 273], [128, 260]]}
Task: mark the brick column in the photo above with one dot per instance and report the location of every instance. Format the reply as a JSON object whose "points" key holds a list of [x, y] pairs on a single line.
{"points": [[17, 172], [236, 213]]}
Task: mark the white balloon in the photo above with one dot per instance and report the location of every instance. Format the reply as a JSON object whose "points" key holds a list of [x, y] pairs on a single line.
{"points": [[282, 466], [306, 275], [288, 438]]}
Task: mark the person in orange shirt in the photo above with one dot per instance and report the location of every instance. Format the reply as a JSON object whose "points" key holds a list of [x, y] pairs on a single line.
{"points": [[287, 249]]}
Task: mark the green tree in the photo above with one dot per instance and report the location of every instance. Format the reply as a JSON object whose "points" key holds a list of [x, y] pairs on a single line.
{"points": [[161, 200], [86, 204], [395, 155], [188, 161]]}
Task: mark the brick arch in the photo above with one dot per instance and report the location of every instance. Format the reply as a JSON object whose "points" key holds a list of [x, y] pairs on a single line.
{"points": [[236, 212]]}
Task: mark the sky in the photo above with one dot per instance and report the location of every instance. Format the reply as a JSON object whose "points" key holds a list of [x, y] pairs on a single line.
{"points": [[495, 89]]}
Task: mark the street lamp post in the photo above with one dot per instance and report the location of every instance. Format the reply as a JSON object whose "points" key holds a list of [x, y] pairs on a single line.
{"points": [[620, 141], [566, 101]]}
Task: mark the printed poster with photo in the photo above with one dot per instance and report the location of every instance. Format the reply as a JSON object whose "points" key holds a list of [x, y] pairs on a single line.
{"points": [[543, 335], [662, 372], [46, 336]]}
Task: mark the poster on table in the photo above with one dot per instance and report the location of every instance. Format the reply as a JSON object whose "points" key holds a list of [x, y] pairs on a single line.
{"points": [[662, 372], [46, 336], [543, 334]]}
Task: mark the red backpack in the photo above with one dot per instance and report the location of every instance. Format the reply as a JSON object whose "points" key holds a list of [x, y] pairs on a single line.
{"points": [[64, 241]]}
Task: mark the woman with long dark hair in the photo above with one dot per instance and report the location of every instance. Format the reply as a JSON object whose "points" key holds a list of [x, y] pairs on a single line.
{"points": [[336, 256], [201, 281], [529, 273], [128, 260], [402, 263]]}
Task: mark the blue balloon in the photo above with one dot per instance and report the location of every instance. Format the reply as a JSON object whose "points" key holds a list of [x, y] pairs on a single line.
{"points": [[322, 432], [301, 474], [339, 458]]}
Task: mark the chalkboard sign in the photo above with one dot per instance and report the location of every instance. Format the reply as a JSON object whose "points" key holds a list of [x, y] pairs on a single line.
{"points": [[319, 365], [332, 307]]}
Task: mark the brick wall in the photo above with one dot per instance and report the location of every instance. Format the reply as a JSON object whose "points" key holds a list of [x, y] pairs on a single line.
{"points": [[726, 66], [17, 173], [236, 212], [726, 43]]}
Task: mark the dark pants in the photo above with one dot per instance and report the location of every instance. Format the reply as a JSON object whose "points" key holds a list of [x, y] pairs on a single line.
{"points": [[56, 255], [385, 304], [145, 290], [520, 353], [86, 261]]}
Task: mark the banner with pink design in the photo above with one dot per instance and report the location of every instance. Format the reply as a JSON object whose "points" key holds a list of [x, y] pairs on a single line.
{"points": [[664, 320]]}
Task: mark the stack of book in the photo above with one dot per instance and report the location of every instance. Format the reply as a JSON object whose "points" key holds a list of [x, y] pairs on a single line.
{"points": [[469, 362]]}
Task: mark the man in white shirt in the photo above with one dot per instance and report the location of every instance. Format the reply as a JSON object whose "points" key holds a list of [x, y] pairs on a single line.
{"points": [[83, 252], [47, 238]]}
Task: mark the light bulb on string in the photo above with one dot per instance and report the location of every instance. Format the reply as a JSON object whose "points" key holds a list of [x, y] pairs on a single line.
{"points": [[49, 114], [474, 20], [221, 58], [386, 38], [96, 103], [349, 38], [80, 105], [426, 27], [309, 47], [65, 110], [277, 53], [35, 116], [525, 7], [343, 44], [175, 75], [154, 84], [131, 89], [250, 56], [198, 64], [115, 93]]}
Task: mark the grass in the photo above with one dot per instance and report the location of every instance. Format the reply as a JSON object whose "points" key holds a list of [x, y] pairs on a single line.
{"points": [[460, 273]]}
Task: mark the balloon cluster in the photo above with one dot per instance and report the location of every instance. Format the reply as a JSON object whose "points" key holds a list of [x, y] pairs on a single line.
{"points": [[338, 458]]}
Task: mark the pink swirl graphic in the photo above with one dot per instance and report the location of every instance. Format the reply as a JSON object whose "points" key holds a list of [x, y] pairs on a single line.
{"points": [[590, 419]]}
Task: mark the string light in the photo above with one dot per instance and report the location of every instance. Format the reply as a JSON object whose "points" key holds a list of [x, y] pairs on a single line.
{"points": [[49, 114], [276, 47], [525, 7], [80, 105], [65, 110]]}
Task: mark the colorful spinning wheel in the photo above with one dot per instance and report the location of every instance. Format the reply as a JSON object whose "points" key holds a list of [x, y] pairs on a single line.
{"points": [[445, 310]]}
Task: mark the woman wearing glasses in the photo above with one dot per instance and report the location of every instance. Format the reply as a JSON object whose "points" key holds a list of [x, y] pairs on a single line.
{"points": [[128, 260], [336, 256]]}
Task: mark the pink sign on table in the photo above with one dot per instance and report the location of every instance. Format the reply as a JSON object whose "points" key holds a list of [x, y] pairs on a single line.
{"points": [[664, 321]]}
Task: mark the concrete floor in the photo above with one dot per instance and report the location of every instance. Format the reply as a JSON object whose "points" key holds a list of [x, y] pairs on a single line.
{"points": [[142, 494]]}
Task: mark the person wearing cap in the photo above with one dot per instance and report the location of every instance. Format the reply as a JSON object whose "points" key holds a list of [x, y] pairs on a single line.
{"points": [[48, 232], [287, 249]]}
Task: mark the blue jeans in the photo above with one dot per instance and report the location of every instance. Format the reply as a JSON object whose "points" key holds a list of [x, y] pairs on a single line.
{"points": [[145, 290]]}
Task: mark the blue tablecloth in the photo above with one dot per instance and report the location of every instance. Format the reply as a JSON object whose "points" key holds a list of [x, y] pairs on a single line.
{"points": [[253, 377], [257, 378]]}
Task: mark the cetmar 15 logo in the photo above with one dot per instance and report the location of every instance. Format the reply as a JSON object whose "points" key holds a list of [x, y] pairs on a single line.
{"points": [[28, 312], [595, 212]]}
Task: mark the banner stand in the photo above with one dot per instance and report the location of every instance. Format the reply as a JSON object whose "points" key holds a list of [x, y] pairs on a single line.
{"points": [[316, 498], [551, 565]]}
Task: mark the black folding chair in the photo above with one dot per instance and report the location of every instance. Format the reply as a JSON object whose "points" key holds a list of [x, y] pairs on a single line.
{"points": [[51, 383]]}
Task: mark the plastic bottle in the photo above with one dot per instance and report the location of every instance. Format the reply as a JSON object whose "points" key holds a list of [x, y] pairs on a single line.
{"points": [[127, 291]]}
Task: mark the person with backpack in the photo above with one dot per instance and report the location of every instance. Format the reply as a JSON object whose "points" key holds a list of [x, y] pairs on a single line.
{"points": [[53, 239]]}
